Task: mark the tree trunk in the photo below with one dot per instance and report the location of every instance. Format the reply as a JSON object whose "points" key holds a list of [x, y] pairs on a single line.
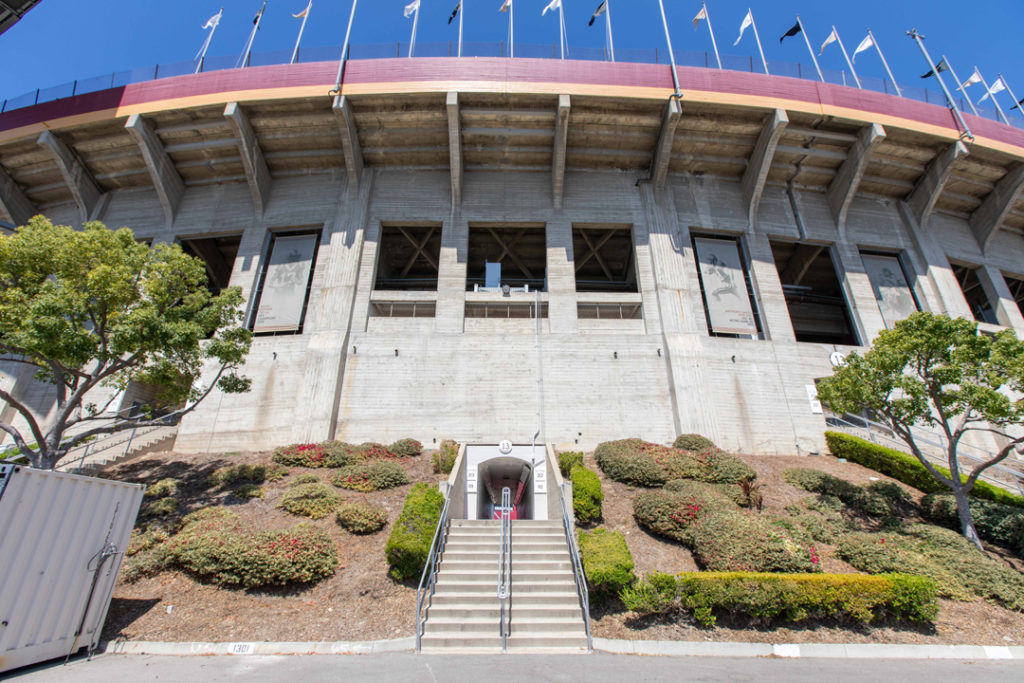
{"points": [[966, 520]]}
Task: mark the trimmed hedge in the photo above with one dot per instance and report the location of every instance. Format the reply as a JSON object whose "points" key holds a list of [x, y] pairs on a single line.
{"points": [[607, 563], [852, 495], [1000, 524], [586, 494], [443, 458], [693, 442], [310, 500], [641, 463], [361, 518], [373, 476], [787, 597], [907, 468], [568, 460], [409, 542]]}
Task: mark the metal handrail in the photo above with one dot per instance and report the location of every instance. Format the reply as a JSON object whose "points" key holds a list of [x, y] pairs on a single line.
{"points": [[577, 565], [505, 562], [428, 580], [850, 425]]}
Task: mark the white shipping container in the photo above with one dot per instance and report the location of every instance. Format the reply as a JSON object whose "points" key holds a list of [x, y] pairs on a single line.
{"points": [[62, 540]]}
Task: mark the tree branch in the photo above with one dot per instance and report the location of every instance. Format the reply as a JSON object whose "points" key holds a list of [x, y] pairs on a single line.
{"points": [[33, 425], [1002, 455], [908, 438]]}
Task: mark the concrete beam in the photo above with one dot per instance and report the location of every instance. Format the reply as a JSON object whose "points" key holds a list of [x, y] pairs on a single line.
{"points": [[663, 150], [256, 172], [930, 185], [843, 187], [987, 218], [79, 179], [14, 201], [169, 186], [559, 149], [800, 262], [761, 161], [349, 139], [455, 146]]}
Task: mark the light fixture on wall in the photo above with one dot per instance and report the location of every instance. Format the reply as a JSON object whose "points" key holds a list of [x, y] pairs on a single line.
{"points": [[615, 354], [396, 353]]}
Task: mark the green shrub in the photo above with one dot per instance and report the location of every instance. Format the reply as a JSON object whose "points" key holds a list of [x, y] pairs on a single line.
{"points": [[161, 508], [162, 489], [852, 495], [409, 543], [999, 524], [959, 569], [141, 541], [443, 458], [406, 448], [307, 478], [907, 468], [568, 460], [371, 450], [671, 513], [771, 598], [301, 455], [246, 491], [310, 500], [586, 494], [810, 527], [361, 518], [632, 461], [693, 442], [373, 476], [898, 499], [735, 541], [341, 454], [213, 546], [255, 474], [607, 562], [144, 564]]}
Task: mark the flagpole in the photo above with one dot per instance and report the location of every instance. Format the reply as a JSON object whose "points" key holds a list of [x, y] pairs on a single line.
{"points": [[810, 49], [252, 36], [993, 96], [344, 50], [960, 85], [295, 53], [206, 45], [608, 27], [511, 30], [415, 22], [931, 65], [848, 62], [462, 10], [886, 64], [714, 45], [753, 24], [671, 55], [561, 28], [1016, 103]]}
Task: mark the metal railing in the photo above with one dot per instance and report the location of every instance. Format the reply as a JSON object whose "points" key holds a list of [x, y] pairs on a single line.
{"points": [[428, 580], [400, 49], [928, 443], [505, 563], [577, 565]]}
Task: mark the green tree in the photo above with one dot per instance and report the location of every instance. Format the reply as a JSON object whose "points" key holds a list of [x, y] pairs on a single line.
{"points": [[94, 307], [936, 371]]}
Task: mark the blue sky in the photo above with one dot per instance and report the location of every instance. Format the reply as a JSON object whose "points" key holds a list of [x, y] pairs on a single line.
{"points": [[63, 40]]}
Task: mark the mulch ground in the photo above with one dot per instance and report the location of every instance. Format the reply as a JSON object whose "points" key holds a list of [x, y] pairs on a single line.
{"points": [[361, 602]]}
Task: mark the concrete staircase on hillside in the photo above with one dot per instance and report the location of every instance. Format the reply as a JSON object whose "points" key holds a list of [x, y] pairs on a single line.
{"points": [[464, 612], [119, 446]]}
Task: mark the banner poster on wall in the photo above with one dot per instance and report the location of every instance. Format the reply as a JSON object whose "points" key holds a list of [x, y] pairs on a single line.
{"points": [[725, 289], [284, 284], [895, 300]]}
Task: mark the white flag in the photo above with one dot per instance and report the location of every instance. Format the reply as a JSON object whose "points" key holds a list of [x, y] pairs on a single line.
{"points": [[506, 6], [975, 78], [832, 37], [998, 86], [553, 5], [305, 11], [601, 9], [747, 21], [413, 6], [864, 45], [213, 21], [702, 14]]}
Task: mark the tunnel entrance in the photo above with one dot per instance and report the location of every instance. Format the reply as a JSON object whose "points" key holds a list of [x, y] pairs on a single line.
{"points": [[498, 473], [488, 468]]}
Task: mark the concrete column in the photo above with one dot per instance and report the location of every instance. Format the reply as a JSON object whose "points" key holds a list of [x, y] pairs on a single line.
{"points": [[950, 298], [561, 276], [665, 256], [860, 296], [768, 289], [1007, 312], [451, 277]]}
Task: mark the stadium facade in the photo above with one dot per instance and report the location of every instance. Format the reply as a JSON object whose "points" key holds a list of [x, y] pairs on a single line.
{"points": [[692, 263]]}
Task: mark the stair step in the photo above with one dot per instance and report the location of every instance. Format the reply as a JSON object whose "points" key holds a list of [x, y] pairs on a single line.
{"points": [[518, 614], [557, 599]]}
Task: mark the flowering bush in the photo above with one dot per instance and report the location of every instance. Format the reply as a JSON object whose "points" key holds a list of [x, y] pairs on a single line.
{"points": [[310, 500], [361, 518], [671, 513], [444, 457], [735, 541], [641, 463], [693, 442], [405, 448], [373, 476], [301, 455]]}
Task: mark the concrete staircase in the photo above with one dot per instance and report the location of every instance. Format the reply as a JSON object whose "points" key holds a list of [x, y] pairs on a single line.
{"points": [[464, 613], [117, 447]]}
